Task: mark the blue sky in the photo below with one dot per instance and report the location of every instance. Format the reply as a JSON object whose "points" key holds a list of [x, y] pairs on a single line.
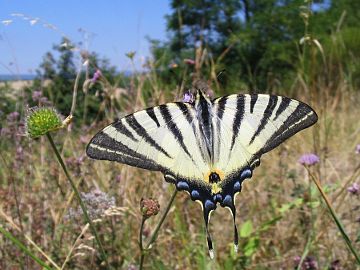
{"points": [[117, 27]]}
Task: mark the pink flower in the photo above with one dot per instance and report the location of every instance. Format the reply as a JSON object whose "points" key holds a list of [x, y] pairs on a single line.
{"points": [[96, 76], [189, 61], [357, 149], [354, 189], [309, 159]]}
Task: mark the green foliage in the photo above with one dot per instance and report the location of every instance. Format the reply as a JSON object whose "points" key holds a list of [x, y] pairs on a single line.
{"points": [[255, 41]]}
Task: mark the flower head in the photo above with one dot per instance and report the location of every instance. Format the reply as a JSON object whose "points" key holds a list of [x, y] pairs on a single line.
{"points": [[149, 207], [189, 61], [309, 263], [41, 120], [36, 96], [354, 189], [335, 265], [12, 117], [309, 159], [96, 201], [96, 76], [188, 97], [357, 149]]}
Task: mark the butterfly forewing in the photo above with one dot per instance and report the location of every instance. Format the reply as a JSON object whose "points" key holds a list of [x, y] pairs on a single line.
{"points": [[160, 138]]}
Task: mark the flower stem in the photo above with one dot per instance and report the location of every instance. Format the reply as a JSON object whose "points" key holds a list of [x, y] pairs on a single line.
{"points": [[77, 194], [334, 216], [156, 231]]}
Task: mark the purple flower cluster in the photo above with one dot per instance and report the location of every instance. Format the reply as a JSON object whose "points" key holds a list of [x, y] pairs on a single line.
{"points": [[188, 97], [96, 76], [38, 97], [354, 189], [97, 202], [309, 159], [309, 263], [12, 117]]}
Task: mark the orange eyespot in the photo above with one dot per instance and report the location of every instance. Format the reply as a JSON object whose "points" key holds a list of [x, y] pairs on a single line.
{"points": [[214, 176]]}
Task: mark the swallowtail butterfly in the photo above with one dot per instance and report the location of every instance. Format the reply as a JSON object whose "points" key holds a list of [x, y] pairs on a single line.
{"points": [[204, 147]]}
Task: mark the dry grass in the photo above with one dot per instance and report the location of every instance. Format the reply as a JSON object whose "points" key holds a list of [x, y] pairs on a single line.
{"points": [[34, 194]]}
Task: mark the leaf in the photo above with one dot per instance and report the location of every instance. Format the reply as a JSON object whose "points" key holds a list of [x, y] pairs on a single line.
{"points": [[266, 225], [251, 246], [246, 229]]}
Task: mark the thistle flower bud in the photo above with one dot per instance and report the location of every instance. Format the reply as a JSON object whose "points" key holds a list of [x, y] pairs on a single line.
{"points": [[149, 207], [41, 120]]}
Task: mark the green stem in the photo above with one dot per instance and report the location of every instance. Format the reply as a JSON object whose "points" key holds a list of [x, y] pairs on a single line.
{"points": [[334, 216], [156, 231], [141, 243], [154, 235], [77, 194], [21, 246]]}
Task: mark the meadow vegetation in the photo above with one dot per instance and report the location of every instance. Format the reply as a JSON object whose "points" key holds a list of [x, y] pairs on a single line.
{"points": [[284, 222]]}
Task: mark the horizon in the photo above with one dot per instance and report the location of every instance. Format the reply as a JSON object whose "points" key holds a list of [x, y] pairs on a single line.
{"points": [[29, 30]]}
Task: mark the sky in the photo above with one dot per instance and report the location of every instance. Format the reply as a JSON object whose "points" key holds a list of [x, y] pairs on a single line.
{"points": [[113, 28]]}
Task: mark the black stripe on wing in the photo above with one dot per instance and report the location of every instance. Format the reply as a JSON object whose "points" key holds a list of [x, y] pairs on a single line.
{"points": [[253, 99], [120, 127], [267, 114], [239, 115], [171, 125], [186, 112], [282, 107], [135, 125], [302, 117], [102, 146], [151, 113]]}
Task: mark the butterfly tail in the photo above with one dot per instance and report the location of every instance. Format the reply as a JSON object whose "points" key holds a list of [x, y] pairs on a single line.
{"points": [[207, 211], [236, 235], [230, 204]]}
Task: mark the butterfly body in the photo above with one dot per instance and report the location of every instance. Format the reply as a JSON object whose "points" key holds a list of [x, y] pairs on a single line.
{"points": [[206, 147]]}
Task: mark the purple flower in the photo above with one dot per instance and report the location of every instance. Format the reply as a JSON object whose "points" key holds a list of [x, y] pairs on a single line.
{"points": [[96, 76], [357, 149], [335, 265], [309, 263], [309, 159], [354, 189], [188, 97], [36, 95], [12, 117], [97, 202], [189, 61]]}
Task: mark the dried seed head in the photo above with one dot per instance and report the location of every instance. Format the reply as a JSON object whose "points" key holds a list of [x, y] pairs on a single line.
{"points": [[41, 120], [149, 207]]}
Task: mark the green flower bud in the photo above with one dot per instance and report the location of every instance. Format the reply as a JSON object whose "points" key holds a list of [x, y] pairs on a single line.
{"points": [[41, 120]]}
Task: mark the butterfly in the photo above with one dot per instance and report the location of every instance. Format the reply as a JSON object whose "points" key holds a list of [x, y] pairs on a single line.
{"points": [[204, 147]]}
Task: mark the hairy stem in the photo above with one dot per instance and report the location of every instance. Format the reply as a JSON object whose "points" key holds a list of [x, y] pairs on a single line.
{"points": [[156, 231], [77, 194]]}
